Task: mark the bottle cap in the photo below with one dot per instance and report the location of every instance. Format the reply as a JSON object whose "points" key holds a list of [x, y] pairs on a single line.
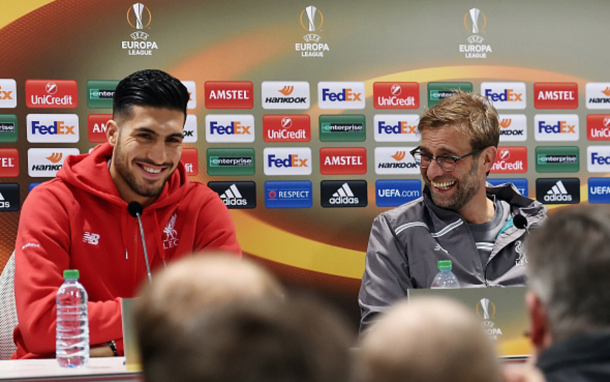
{"points": [[71, 274], [443, 264]]}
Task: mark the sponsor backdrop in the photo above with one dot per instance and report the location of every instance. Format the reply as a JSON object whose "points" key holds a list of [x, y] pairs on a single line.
{"points": [[302, 114]]}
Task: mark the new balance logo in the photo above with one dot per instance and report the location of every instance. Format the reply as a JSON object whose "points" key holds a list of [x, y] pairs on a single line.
{"points": [[91, 238], [232, 197], [287, 90], [344, 195], [558, 193]]}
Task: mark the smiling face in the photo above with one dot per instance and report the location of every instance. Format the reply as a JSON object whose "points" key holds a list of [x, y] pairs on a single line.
{"points": [[147, 149], [463, 188]]}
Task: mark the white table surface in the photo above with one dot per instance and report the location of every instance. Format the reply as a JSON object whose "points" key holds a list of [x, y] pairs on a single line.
{"points": [[97, 369]]}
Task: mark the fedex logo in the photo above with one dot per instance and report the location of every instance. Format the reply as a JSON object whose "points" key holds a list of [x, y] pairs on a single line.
{"points": [[44, 128], [555, 95], [96, 127], [51, 94], [510, 160], [229, 128], [9, 163], [513, 127], [341, 95], [396, 95], [343, 161], [229, 95], [287, 161], [598, 127], [8, 93], [286, 128], [557, 127], [396, 127], [505, 95], [598, 158]]}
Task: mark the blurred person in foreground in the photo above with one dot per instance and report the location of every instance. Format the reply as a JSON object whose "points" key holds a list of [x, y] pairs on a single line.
{"points": [[569, 294], [427, 339], [261, 339], [80, 219], [459, 217], [185, 289]]}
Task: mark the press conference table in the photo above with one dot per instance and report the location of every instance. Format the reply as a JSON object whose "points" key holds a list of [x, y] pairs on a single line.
{"points": [[98, 369]]}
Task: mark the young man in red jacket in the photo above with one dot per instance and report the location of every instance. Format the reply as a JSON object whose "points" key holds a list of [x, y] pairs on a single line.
{"points": [[80, 220]]}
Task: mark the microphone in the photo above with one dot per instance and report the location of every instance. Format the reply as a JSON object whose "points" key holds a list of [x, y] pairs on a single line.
{"points": [[135, 209], [520, 222]]}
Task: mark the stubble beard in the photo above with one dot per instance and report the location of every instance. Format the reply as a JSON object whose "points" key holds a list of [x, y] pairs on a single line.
{"points": [[468, 187], [120, 164]]}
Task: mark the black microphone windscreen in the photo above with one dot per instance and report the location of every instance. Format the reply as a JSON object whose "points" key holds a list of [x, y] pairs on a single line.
{"points": [[134, 209], [520, 221]]}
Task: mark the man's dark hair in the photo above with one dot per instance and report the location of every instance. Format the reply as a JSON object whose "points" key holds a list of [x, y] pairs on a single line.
{"points": [[149, 87], [569, 264], [265, 340]]}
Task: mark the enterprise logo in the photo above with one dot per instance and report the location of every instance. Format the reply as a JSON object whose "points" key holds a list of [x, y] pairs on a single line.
{"points": [[341, 193], [285, 95], [341, 95], [288, 194], [396, 192], [558, 191], [52, 128], [230, 162], [51, 94], [396, 127], [46, 162], [342, 128], [100, 93], [287, 161], [556, 127], [8, 128], [557, 159], [236, 195], [395, 160], [229, 128], [505, 95]]}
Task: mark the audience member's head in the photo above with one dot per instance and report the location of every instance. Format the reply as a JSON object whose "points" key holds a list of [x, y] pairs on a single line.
{"points": [[265, 340], [189, 286], [568, 275], [429, 339]]}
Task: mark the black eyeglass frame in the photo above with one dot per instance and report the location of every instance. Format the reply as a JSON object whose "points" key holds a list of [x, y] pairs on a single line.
{"points": [[439, 158]]}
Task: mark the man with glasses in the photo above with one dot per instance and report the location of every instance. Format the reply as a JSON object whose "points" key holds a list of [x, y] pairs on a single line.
{"points": [[459, 218]]}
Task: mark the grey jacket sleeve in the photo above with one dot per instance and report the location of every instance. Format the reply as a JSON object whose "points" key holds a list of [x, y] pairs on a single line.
{"points": [[386, 272]]}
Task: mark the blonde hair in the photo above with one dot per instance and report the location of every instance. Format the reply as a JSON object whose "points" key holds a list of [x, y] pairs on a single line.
{"points": [[471, 114]]}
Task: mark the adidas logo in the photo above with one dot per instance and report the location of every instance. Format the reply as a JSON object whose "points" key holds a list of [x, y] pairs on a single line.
{"points": [[232, 197], [344, 195], [558, 193]]}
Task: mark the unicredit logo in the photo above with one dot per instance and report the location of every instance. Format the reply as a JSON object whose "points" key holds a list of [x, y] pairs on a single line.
{"points": [[510, 159], [396, 95], [286, 128], [598, 127], [51, 94]]}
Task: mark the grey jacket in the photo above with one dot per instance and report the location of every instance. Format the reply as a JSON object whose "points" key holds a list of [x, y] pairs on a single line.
{"points": [[406, 242]]}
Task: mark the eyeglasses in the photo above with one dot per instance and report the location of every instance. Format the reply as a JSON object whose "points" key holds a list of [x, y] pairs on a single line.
{"points": [[445, 162]]}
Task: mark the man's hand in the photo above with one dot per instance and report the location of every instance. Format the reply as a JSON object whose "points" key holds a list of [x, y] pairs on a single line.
{"points": [[101, 350]]}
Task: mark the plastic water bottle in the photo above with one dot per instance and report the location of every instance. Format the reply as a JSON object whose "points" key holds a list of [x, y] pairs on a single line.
{"points": [[444, 279], [72, 340]]}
